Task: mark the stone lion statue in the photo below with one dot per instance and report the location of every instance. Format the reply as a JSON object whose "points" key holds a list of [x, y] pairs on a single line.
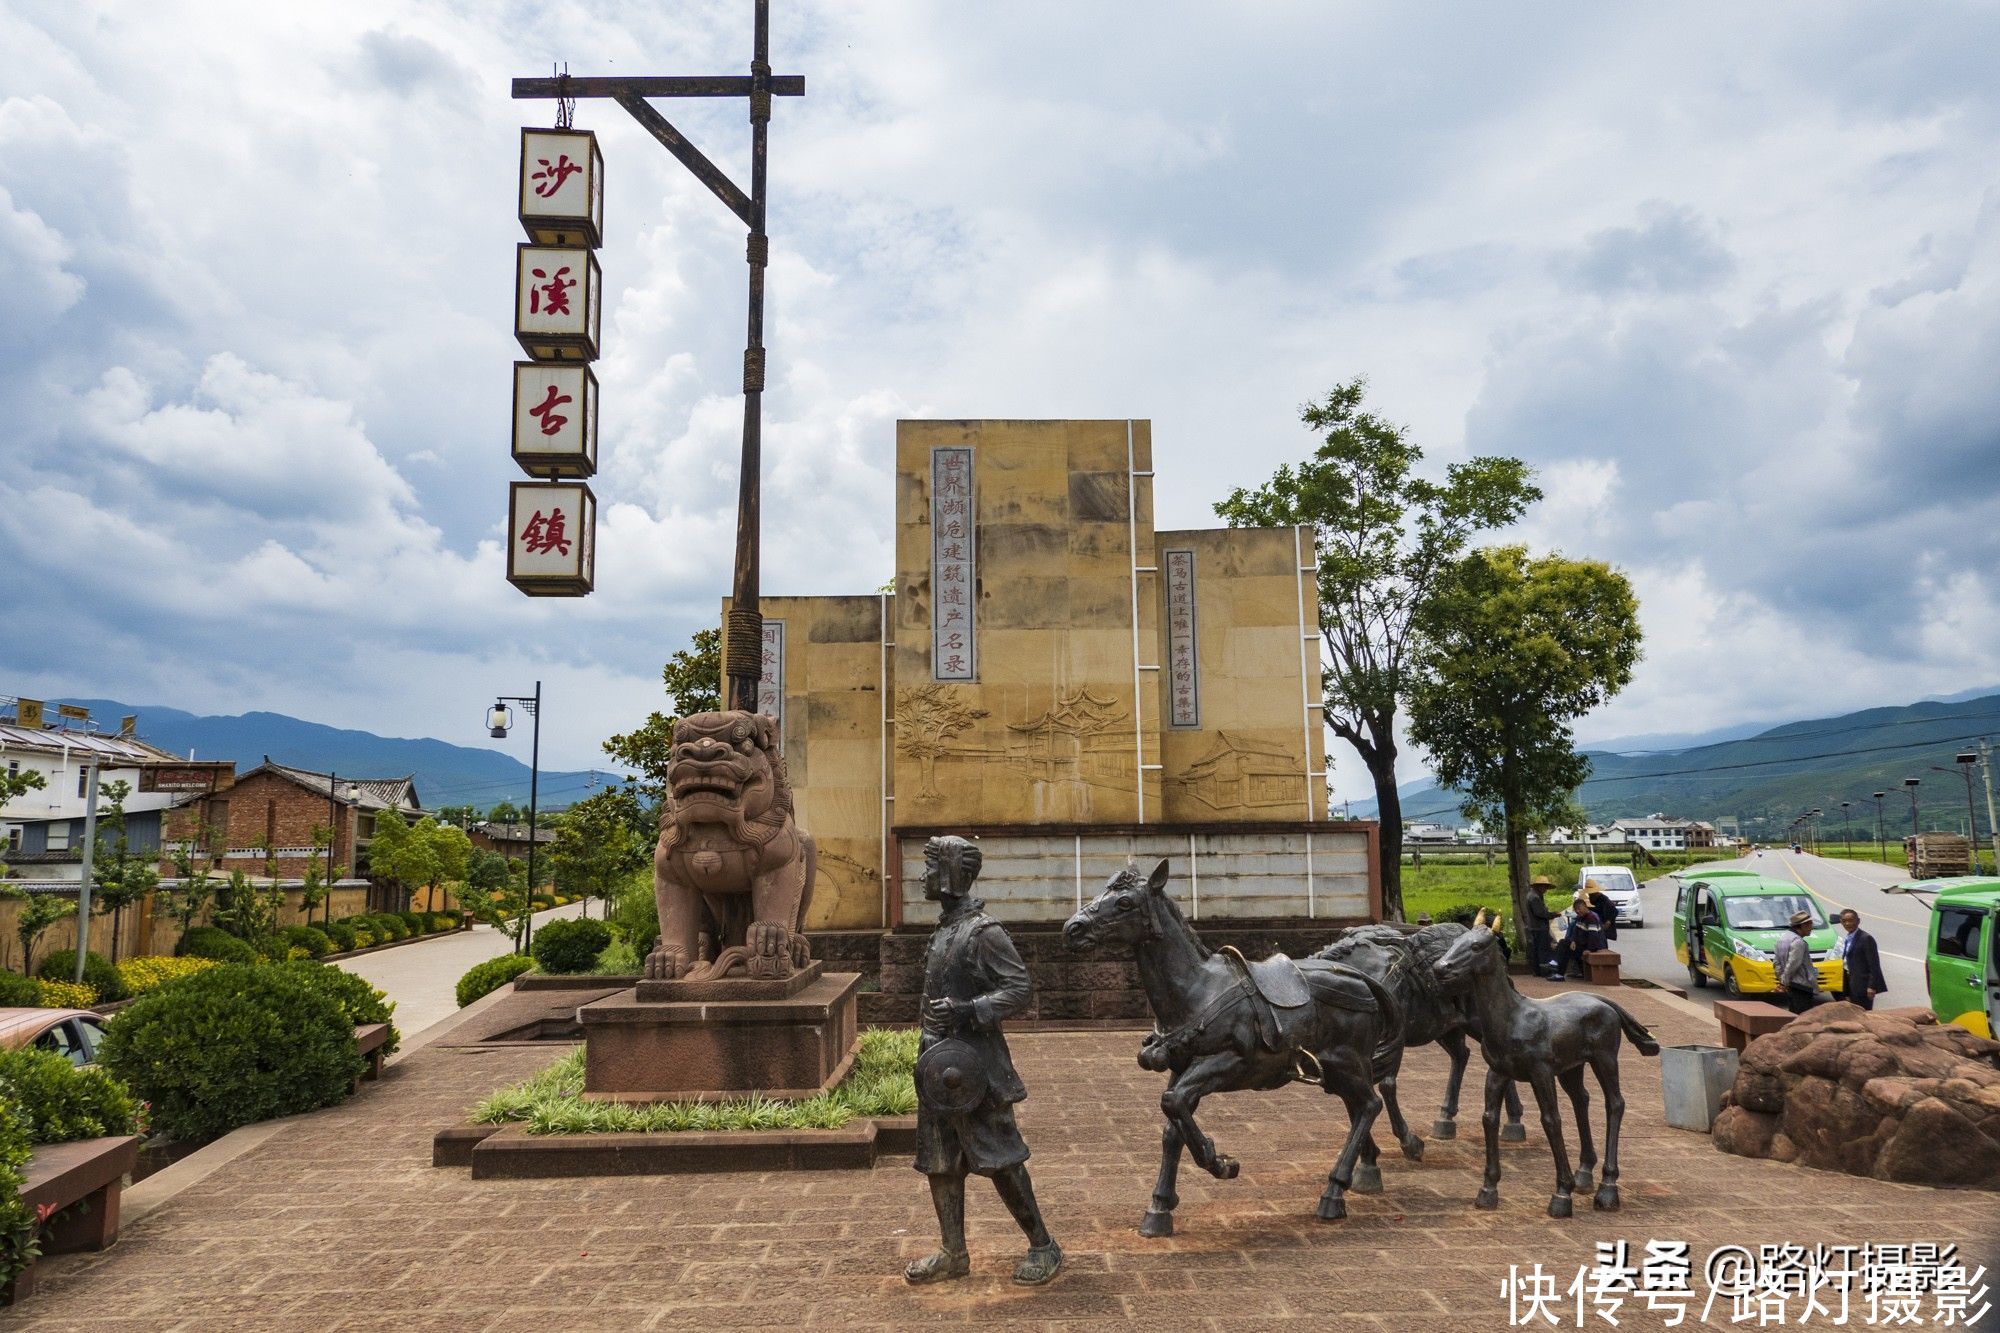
{"points": [[733, 871]]}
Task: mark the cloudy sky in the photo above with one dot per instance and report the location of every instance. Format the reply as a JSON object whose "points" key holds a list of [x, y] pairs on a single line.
{"points": [[1728, 276]]}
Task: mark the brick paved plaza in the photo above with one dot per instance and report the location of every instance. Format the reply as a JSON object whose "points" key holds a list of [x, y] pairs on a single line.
{"points": [[336, 1221]]}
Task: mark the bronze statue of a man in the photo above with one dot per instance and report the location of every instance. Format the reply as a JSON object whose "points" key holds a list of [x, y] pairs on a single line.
{"points": [[966, 1084]]}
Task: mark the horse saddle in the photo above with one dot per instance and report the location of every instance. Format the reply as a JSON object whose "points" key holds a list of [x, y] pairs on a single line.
{"points": [[1281, 988]]}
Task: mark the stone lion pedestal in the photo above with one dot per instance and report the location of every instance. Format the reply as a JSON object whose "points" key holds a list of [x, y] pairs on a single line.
{"points": [[716, 1040]]}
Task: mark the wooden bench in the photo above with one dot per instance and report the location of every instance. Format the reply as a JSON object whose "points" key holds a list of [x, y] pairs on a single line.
{"points": [[1600, 966], [1743, 1021], [371, 1039], [90, 1172]]}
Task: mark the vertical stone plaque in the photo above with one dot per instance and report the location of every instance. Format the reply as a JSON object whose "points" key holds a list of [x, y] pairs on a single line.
{"points": [[1183, 654], [771, 679], [954, 566]]}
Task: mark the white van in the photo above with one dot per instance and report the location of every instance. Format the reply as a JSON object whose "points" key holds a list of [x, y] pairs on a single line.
{"points": [[1619, 885]]}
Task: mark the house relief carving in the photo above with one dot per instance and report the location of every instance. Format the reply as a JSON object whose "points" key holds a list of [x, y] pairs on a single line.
{"points": [[1237, 773]]}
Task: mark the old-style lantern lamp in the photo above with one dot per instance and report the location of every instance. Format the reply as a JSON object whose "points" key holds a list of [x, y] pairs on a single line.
{"points": [[551, 538], [558, 302], [555, 419], [498, 721], [562, 187]]}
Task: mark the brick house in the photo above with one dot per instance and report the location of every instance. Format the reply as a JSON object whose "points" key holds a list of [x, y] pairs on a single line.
{"points": [[283, 808], [510, 840]]}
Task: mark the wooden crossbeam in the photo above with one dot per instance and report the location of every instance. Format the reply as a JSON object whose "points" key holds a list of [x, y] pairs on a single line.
{"points": [[691, 157], [703, 85]]}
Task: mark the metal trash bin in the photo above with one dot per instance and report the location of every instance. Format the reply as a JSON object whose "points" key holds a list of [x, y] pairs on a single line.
{"points": [[1693, 1079]]}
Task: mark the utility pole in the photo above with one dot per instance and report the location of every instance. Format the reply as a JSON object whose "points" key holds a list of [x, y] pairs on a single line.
{"points": [[89, 854], [1992, 826], [744, 650], [1881, 845]]}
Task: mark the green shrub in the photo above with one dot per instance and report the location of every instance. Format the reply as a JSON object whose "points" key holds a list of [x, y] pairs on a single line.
{"points": [[444, 921], [98, 973], [212, 942], [60, 1102], [570, 946], [542, 901], [365, 938], [19, 992], [388, 926], [150, 973], [316, 942], [484, 978], [232, 1045], [18, 1247], [358, 1000], [417, 922], [341, 933]]}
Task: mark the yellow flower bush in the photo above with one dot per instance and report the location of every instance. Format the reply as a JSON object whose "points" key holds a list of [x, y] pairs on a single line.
{"points": [[66, 994], [143, 974]]}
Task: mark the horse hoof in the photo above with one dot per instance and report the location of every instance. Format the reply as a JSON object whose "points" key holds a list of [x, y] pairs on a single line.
{"points": [[1226, 1168], [1413, 1149], [1367, 1179], [1584, 1182], [1559, 1205], [1606, 1199], [1444, 1129], [1331, 1209], [1514, 1133], [1156, 1224], [1488, 1199]]}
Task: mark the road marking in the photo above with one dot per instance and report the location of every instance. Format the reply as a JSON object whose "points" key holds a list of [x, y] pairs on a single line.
{"points": [[1793, 871]]}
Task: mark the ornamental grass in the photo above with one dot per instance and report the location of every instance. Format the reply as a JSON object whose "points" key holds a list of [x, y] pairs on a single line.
{"points": [[551, 1102]]}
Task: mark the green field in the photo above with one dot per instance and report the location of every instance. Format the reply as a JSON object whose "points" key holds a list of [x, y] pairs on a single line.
{"points": [[1447, 879]]}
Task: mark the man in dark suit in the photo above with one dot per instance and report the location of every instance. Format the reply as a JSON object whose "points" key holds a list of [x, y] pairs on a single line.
{"points": [[1862, 980]]}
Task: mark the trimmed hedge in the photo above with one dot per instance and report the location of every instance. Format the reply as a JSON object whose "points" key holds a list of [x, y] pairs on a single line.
{"points": [[388, 927], [19, 992], [60, 1102], [417, 922], [444, 921], [98, 973], [232, 1045], [570, 945], [484, 978], [214, 942], [316, 942], [358, 1000], [341, 933], [150, 973], [17, 1225]]}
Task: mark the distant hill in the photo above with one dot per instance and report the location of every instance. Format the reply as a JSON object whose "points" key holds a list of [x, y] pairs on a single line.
{"points": [[446, 774], [1767, 779]]}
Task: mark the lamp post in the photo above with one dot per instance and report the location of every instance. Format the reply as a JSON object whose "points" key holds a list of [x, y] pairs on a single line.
{"points": [[1881, 845], [1965, 760], [498, 720], [1910, 786], [1846, 833], [1812, 830]]}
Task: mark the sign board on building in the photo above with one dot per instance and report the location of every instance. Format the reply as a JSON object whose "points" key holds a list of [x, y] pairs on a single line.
{"points": [[161, 778], [1183, 656], [73, 712], [552, 538], [954, 566], [128, 725], [558, 302], [562, 187], [555, 419], [771, 680], [28, 714]]}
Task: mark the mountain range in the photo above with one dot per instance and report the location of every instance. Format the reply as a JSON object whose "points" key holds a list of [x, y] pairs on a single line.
{"points": [[1767, 779], [446, 774]]}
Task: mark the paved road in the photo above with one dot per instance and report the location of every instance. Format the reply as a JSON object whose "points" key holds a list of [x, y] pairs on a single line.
{"points": [[422, 978], [1899, 924]]}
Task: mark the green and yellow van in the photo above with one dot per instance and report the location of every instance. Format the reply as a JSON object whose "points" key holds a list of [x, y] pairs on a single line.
{"points": [[1962, 961], [1727, 924]]}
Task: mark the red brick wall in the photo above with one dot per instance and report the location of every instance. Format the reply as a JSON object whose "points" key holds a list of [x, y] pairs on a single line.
{"points": [[266, 805]]}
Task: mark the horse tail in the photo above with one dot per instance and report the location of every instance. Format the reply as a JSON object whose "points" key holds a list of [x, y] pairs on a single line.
{"points": [[1635, 1031]]}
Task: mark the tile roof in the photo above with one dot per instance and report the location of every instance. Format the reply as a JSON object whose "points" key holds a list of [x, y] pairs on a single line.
{"points": [[371, 793]]}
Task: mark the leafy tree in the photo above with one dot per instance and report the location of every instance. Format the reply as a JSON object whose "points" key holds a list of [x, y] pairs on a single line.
{"points": [[599, 842], [1509, 651], [38, 911], [506, 813], [194, 884], [461, 815], [119, 876], [693, 679], [424, 855], [1384, 536], [497, 893]]}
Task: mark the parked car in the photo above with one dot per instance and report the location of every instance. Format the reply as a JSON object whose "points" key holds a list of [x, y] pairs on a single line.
{"points": [[1962, 958], [1726, 928], [74, 1034], [1620, 886]]}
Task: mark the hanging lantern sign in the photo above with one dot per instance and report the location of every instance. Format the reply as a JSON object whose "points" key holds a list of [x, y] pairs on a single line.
{"points": [[558, 302], [555, 419], [562, 187], [551, 538]]}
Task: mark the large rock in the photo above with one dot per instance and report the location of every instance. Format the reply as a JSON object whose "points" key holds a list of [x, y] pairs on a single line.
{"points": [[1894, 1096]]}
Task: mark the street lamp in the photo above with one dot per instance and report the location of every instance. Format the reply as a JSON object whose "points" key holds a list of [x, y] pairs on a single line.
{"points": [[498, 721], [1846, 833], [1812, 829], [1910, 785], [1965, 760], [1881, 845]]}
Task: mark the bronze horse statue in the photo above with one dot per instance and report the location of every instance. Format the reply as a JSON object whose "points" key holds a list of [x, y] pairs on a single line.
{"points": [[1402, 960], [1223, 1024], [1543, 1043]]}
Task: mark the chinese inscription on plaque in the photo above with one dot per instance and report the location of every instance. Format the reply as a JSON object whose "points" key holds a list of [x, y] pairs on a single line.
{"points": [[771, 680], [1183, 660], [954, 568]]}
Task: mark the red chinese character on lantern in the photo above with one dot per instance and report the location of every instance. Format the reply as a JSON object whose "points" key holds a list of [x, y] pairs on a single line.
{"points": [[552, 420], [545, 533], [551, 295], [554, 174]]}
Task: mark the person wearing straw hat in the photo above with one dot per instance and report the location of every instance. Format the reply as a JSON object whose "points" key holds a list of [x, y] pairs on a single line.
{"points": [[1797, 978]]}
